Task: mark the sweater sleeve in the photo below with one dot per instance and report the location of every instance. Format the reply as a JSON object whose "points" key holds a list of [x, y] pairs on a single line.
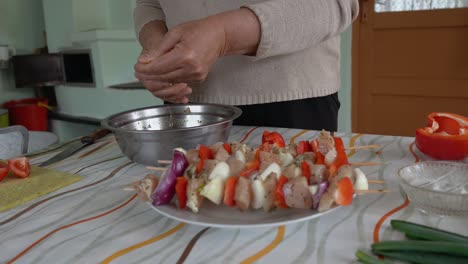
{"points": [[146, 11], [292, 25]]}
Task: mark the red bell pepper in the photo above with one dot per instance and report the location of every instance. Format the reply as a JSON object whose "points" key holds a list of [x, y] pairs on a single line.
{"points": [[341, 157], [274, 138], [230, 191], [227, 147], [302, 147], [279, 193], [204, 153], [305, 169], [445, 137], [181, 191], [250, 167]]}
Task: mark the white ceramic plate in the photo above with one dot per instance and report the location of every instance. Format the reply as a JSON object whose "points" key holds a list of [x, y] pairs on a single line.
{"points": [[226, 217]]}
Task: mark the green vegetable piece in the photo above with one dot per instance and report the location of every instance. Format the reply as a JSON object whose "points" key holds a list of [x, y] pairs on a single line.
{"points": [[418, 231], [422, 257], [367, 259], [442, 247]]}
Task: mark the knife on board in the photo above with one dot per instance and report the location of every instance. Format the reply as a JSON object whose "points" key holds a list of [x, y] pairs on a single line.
{"points": [[76, 146]]}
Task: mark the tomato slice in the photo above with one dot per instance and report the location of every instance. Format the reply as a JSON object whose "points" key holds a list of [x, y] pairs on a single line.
{"points": [[20, 167], [3, 171]]}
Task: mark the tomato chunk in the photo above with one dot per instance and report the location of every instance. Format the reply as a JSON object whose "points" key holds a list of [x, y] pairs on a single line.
{"points": [[3, 171], [20, 167]]}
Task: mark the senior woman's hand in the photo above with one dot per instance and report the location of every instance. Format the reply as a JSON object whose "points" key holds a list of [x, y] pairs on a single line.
{"points": [[188, 51]]}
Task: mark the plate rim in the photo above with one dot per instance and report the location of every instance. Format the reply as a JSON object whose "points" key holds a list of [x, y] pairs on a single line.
{"points": [[244, 226]]}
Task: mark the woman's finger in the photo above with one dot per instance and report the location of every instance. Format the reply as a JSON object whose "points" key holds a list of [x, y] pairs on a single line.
{"points": [[149, 77]]}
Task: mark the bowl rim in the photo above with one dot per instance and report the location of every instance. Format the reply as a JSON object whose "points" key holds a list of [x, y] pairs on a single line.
{"points": [[105, 122], [450, 163]]}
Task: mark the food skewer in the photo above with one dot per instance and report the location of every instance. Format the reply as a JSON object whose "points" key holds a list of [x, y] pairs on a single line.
{"points": [[375, 181], [362, 164], [372, 191], [156, 168], [356, 164], [165, 168]]}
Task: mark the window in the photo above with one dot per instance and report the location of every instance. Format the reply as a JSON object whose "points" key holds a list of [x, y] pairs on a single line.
{"points": [[415, 5]]}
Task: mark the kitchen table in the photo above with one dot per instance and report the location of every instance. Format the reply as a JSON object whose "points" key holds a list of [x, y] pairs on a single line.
{"points": [[95, 220]]}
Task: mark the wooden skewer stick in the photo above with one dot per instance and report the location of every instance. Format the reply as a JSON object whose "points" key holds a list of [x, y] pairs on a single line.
{"points": [[375, 181], [372, 191], [364, 147], [164, 161], [156, 168], [361, 164]]}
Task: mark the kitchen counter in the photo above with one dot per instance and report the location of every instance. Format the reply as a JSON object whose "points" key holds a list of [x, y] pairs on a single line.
{"points": [[96, 221]]}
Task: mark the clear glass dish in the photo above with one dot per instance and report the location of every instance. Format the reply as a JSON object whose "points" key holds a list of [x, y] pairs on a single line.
{"points": [[437, 187]]}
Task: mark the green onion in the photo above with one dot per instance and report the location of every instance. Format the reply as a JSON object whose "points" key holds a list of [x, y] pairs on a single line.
{"points": [[367, 259], [423, 257], [442, 247], [416, 231]]}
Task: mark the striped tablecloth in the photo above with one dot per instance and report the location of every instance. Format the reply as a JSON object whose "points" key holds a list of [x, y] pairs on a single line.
{"points": [[95, 221]]}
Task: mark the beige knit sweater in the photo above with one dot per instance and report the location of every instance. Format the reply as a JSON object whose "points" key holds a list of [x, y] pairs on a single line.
{"points": [[298, 56]]}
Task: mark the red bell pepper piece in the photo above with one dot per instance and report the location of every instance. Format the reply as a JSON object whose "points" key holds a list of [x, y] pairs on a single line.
{"points": [[302, 147], [181, 191], [250, 167], [341, 157], [227, 147], [274, 138], [279, 193], [205, 152], [319, 158], [200, 165], [230, 191], [445, 137], [305, 168], [344, 192]]}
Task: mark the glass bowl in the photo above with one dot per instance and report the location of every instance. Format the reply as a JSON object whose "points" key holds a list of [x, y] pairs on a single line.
{"points": [[437, 187]]}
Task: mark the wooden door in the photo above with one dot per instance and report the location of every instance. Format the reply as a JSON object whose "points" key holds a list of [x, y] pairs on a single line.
{"points": [[407, 64]]}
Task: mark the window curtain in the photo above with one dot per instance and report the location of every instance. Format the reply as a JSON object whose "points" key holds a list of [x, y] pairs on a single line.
{"points": [[412, 5]]}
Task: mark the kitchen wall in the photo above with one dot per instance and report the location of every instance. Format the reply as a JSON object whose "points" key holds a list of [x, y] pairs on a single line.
{"points": [[104, 27], [21, 27]]}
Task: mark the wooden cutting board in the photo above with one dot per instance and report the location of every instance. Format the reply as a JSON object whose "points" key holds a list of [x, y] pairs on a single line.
{"points": [[15, 191]]}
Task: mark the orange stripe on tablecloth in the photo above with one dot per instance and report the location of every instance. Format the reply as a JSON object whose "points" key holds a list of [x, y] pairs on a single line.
{"points": [[352, 143], [405, 204], [387, 215], [248, 134], [416, 157], [293, 139], [278, 239], [142, 244], [67, 226]]}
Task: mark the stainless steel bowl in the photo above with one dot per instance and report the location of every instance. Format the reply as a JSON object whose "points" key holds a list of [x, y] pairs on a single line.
{"points": [[149, 134]]}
